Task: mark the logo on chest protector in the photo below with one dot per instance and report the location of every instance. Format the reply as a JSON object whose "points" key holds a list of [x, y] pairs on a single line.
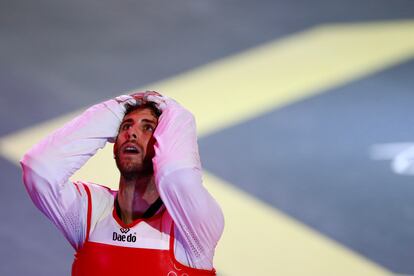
{"points": [[124, 230], [123, 237]]}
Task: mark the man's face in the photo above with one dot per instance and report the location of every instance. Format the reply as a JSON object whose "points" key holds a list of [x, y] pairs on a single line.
{"points": [[134, 145]]}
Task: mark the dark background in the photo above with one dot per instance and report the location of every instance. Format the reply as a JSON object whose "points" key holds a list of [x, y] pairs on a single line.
{"points": [[58, 56]]}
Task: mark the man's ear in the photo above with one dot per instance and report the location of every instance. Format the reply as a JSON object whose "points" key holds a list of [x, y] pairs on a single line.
{"points": [[115, 148]]}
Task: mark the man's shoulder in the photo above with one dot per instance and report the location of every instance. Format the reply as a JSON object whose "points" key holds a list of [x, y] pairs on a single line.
{"points": [[98, 190]]}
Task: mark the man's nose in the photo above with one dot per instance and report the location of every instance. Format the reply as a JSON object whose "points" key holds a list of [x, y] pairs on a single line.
{"points": [[132, 134]]}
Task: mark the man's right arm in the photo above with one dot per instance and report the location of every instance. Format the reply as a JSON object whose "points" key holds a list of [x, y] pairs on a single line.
{"points": [[49, 164]]}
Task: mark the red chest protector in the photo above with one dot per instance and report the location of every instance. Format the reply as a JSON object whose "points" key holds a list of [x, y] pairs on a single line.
{"points": [[104, 259]]}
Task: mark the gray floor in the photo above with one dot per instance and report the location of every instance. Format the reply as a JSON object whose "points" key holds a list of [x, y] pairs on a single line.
{"points": [[56, 57], [314, 163]]}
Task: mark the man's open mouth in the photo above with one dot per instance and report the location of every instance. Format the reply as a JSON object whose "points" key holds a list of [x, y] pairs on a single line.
{"points": [[131, 149]]}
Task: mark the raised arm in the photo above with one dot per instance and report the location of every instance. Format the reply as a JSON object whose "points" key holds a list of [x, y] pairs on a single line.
{"points": [[49, 164], [196, 214]]}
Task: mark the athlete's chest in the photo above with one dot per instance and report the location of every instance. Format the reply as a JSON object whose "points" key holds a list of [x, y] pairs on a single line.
{"points": [[152, 233]]}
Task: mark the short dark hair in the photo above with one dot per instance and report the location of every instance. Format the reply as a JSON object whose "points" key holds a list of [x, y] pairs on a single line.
{"points": [[150, 105]]}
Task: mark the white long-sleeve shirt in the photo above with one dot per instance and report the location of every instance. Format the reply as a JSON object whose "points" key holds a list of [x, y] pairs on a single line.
{"points": [[49, 164]]}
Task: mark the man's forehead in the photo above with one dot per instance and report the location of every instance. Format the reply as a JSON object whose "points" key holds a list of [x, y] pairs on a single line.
{"points": [[141, 113]]}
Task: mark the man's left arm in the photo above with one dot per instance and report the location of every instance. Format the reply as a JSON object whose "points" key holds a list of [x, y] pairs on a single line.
{"points": [[196, 214]]}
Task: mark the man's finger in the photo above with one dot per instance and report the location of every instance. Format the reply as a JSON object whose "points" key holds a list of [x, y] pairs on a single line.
{"points": [[158, 100], [138, 95]]}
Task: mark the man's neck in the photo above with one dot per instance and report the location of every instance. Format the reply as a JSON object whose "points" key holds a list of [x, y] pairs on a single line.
{"points": [[135, 197]]}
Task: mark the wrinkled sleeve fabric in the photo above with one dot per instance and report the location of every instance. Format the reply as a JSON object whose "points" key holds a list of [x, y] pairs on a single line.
{"points": [[48, 165], [197, 216]]}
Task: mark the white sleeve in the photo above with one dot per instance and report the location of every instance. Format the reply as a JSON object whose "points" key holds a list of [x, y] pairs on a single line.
{"points": [[49, 164], [197, 216]]}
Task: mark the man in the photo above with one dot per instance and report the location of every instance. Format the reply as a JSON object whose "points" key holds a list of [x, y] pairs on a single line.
{"points": [[161, 221]]}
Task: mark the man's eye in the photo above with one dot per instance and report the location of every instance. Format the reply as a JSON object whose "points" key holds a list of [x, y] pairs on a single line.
{"points": [[149, 128], [126, 126]]}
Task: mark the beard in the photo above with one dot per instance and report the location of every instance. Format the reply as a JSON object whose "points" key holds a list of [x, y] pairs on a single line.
{"points": [[134, 168]]}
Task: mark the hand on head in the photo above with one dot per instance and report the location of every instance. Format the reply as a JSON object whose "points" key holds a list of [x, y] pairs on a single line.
{"points": [[150, 96], [143, 95]]}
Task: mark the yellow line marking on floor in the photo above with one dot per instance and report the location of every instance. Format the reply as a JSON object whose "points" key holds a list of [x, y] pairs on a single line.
{"points": [[252, 83], [245, 86], [259, 240]]}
